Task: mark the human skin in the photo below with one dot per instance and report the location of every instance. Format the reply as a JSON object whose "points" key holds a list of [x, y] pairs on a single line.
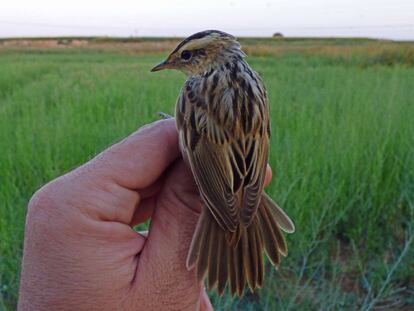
{"points": [[80, 250]]}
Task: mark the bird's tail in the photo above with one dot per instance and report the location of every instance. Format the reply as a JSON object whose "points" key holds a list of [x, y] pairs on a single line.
{"points": [[214, 254]]}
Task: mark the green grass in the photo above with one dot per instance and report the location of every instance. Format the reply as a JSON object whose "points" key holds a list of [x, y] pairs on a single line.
{"points": [[342, 155]]}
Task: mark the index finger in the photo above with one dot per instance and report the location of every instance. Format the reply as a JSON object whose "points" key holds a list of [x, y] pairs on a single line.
{"points": [[137, 161]]}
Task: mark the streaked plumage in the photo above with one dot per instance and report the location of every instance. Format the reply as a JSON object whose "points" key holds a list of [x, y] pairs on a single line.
{"points": [[222, 115]]}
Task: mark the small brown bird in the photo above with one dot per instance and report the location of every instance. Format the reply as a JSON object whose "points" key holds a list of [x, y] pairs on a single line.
{"points": [[222, 115]]}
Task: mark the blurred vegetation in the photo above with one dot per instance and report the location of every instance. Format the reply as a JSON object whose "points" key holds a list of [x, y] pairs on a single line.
{"points": [[342, 153]]}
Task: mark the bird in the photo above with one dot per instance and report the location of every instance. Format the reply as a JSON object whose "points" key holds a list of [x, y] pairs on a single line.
{"points": [[223, 122]]}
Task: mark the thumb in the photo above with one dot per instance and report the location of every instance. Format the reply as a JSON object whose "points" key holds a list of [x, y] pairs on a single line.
{"points": [[161, 269]]}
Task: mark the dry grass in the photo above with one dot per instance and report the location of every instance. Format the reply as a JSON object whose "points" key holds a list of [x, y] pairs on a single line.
{"points": [[109, 45], [253, 46]]}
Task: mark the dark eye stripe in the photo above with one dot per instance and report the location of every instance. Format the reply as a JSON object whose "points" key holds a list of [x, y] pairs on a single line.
{"points": [[201, 52]]}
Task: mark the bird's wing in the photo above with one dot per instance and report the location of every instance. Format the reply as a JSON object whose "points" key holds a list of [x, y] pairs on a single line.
{"points": [[256, 146], [224, 165]]}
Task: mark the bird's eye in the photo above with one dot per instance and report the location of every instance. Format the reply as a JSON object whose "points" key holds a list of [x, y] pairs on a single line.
{"points": [[186, 55]]}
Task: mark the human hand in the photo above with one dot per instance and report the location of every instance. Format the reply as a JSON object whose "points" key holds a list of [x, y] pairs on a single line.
{"points": [[80, 251]]}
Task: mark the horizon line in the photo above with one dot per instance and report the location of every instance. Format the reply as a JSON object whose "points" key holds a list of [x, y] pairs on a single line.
{"points": [[133, 37]]}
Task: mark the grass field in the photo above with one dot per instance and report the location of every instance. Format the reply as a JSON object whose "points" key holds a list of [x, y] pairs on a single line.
{"points": [[342, 154]]}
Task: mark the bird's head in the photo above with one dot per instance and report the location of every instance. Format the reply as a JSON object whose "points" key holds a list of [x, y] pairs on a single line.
{"points": [[202, 52]]}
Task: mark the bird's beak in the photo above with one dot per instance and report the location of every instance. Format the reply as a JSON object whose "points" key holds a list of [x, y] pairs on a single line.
{"points": [[163, 65]]}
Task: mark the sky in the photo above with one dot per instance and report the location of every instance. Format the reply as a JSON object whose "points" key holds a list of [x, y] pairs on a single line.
{"points": [[385, 19]]}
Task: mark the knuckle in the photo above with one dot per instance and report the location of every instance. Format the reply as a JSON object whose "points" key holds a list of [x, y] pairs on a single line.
{"points": [[43, 204], [41, 200], [39, 210]]}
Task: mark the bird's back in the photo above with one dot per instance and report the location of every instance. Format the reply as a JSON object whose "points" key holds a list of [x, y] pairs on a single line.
{"points": [[224, 128]]}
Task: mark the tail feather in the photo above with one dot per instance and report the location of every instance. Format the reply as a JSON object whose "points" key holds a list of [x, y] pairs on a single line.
{"points": [[232, 271], [269, 239], [248, 265], [259, 251], [251, 252], [238, 262], [283, 220], [213, 258], [203, 252], [237, 258], [222, 270], [234, 237], [277, 233], [199, 237]]}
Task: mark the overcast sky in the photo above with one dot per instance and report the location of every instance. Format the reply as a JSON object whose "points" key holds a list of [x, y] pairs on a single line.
{"points": [[363, 18]]}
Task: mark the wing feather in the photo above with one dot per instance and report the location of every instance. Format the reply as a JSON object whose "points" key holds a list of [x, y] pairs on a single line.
{"points": [[254, 180], [212, 174]]}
